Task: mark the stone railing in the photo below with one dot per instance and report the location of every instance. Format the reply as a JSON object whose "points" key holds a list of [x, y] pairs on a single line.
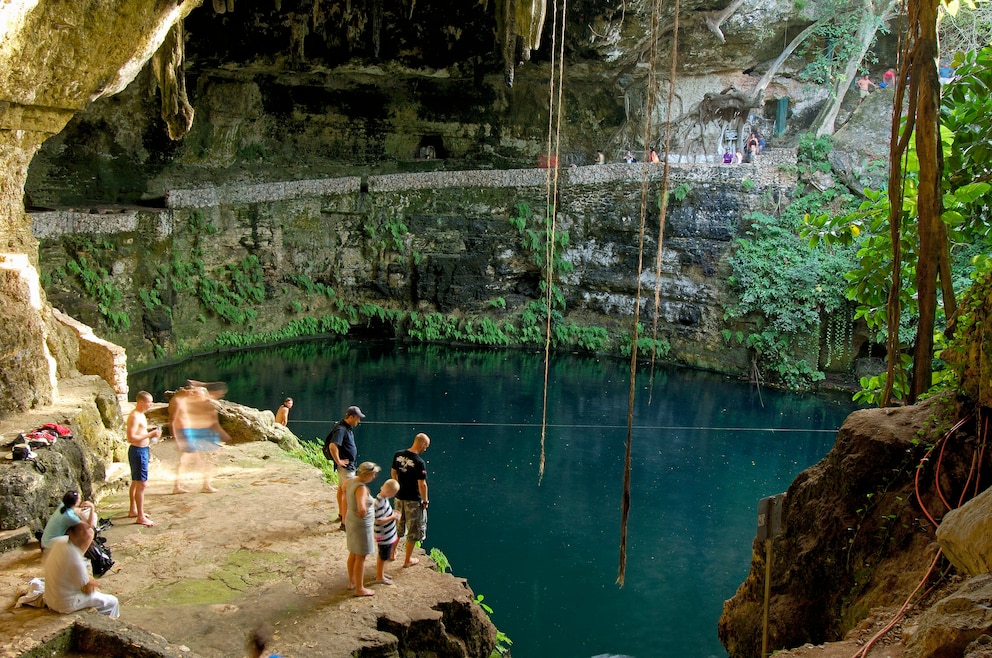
{"points": [[770, 170], [97, 356]]}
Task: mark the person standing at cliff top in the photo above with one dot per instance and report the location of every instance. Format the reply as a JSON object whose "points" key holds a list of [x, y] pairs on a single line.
{"points": [[359, 520], [410, 470], [139, 438], [196, 426], [653, 156], [282, 415], [339, 447], [600, 157], [629, 158]]}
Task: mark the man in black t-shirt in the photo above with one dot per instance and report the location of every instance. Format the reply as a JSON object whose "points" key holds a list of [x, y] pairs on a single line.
{"points": [[339, 447], [410, 470]]}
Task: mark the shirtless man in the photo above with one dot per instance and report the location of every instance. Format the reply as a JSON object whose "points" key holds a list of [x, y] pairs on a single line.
{"points": [[864, 86], [139, 437], [196, 426], [282, 415]]}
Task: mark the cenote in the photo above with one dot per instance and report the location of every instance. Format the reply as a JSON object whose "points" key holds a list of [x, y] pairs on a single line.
{"points": [[544, 552]]}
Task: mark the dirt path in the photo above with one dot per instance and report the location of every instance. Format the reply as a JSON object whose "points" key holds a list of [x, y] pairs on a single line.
{"points": [[263, 549]]}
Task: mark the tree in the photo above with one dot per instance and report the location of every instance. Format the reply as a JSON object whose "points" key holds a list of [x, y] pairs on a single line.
{"points": [[854, 28]]}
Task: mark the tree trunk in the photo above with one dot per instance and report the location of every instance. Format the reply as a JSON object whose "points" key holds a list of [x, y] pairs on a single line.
{"points": [[825, 123], [929, 203]]}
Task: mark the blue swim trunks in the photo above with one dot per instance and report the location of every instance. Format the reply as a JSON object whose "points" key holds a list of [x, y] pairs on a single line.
{"points": [[200, 439], [138, 459]]}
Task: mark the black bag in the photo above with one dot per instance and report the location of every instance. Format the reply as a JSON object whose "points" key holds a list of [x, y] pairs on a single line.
{"points": [[99, 556]]}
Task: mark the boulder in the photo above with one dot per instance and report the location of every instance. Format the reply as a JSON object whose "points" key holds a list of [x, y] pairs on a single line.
{"points": [[965, 535], [839, 517], [242, 424], [948, 628], [30, 490]]}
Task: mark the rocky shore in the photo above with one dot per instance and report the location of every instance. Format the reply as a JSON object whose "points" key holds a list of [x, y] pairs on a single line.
{"points": [[264, 551]]}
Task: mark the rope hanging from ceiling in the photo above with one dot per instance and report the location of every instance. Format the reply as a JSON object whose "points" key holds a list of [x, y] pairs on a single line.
{"points": [[551, 198], [652, 86]]}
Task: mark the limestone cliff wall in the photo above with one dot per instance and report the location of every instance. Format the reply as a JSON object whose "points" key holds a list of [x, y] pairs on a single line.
{"points": [[57, 57], [856, 528], [240, 258]]}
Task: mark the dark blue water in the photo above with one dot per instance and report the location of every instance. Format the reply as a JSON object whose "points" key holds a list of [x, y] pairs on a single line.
{"points": [[545, 553]]}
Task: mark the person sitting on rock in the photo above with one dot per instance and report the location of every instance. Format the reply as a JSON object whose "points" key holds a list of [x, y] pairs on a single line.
{"points": [[68, 514], [68, 584], [282, 415]]}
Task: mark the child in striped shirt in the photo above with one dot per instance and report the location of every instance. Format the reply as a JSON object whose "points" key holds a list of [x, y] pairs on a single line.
{"points": [[385, 529]]}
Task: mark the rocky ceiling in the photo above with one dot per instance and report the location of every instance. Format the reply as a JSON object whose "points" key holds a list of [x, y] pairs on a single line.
{"points": [[452, 35]]}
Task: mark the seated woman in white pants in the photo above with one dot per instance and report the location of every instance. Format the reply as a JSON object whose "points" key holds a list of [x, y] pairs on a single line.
{"points": [[68, 584]]}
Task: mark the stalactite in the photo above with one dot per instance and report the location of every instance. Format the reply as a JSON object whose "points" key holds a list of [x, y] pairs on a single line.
{"points": [[167, 64], [519, 25], [376, 26]]}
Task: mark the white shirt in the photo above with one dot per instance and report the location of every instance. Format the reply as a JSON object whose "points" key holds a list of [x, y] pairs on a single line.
{"points": [[65, 575]]}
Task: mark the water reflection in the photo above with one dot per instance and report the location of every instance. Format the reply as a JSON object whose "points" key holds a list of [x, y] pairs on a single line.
{"points": [[545, 556]]}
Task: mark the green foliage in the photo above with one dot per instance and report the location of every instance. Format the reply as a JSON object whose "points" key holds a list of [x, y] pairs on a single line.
{"points": [[252, 153], [681, 192], [237, 288], [591, 339], [310, 287], [748, 185], [440, 559], [786, 289], [536, 240], [229, 292], [374, 311], [386, 232], [966, 133], [835, 40], [88, 265], [533, 321], [487, 332], [814, 150], [519, 221], [499, 302], [967, 197], [311, 452], [150, 298], [503, 642], [432, 327], [646, 345], [299, 328]]}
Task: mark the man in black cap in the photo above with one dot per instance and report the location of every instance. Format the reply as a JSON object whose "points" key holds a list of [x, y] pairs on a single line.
{"points": [[339, 447]]}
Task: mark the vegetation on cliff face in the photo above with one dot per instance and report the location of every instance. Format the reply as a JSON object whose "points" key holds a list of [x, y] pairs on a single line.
{"points": [[964, 230]]}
